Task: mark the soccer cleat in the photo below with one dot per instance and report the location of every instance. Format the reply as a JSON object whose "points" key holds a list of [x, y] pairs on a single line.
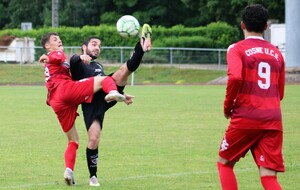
{"points": [[94, 182], [146, 31], [114, 96], [145, 35], [69, 177]]}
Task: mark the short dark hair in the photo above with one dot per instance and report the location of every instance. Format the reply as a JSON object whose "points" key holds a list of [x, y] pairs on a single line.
{"points": [[255, 18], [87, 41], [46, 37]]}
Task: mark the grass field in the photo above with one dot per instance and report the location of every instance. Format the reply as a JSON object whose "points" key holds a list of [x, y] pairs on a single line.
{"points": [[168, 139], [33, 74]]}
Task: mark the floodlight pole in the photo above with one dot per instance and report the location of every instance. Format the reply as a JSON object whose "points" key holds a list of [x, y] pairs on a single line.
{"points": [[55, 13], [292, 18]]}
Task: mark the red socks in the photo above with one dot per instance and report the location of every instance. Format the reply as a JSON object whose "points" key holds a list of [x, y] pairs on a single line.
{"points": [[108, 84], [70, 155], [270, 183], [228, 180], [227, 177]]}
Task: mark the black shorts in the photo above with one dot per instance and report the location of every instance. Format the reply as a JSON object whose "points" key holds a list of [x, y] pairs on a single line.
{"points": [[97, 108]]}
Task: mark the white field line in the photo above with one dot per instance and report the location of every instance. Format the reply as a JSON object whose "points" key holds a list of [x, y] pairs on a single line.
{"points": [[24, 186], [170, 175]]}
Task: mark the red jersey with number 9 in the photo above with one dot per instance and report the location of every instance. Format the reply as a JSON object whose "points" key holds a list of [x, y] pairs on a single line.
{"points": [[255, 87]]}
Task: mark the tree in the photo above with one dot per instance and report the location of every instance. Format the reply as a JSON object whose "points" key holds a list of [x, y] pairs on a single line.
{"points": [[79, 13], [25, 11], [165, 13], [230, 11], [4, 16]]}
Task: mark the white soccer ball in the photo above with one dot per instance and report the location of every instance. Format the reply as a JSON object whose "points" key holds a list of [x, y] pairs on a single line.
{"points": [[128, 26]]}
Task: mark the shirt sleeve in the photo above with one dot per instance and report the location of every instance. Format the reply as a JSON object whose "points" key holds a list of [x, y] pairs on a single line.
{"points": [[76, 67], [281, 82], [235, 65], [56, 57]]}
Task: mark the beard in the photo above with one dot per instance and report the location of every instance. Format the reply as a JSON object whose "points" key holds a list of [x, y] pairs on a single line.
{"points": [[91, 54]]}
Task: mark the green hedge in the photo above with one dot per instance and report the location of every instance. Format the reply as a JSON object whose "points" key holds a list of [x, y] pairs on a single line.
{"points": [[214, 35]]}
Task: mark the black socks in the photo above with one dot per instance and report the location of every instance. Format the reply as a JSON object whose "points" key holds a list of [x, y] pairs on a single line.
{"points": [[92, 161], [136, 58]]}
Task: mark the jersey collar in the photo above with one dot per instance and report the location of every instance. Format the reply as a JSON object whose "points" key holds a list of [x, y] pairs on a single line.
{"points": [[255, 37]]}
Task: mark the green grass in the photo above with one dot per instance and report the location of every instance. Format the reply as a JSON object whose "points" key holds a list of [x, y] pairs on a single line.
{"points": [[173, 75], [34, 74], [21, 74], [168, 139]]}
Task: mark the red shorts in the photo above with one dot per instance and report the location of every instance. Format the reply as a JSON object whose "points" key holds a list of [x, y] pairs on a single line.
{"points": [[66, 97], [265, 146]]}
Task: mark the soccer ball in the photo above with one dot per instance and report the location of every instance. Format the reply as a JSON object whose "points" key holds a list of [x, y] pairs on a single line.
{"points": [[128, 26]]}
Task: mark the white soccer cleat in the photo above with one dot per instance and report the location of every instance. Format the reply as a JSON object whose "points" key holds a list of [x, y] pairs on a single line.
{"points": [[94, 182], [69, 177], [114, 96]]}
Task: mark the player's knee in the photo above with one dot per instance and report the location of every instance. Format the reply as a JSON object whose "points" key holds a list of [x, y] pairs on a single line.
{"points": [[98, 83], [93, 142], [266, 171], [98, 80]]}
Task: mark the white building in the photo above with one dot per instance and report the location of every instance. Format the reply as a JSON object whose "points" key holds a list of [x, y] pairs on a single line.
{"points": [[21, 50]]}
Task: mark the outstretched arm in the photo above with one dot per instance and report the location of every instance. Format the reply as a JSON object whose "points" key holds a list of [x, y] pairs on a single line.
{"points": [[76, 67], [54, 57], [44, 59]]}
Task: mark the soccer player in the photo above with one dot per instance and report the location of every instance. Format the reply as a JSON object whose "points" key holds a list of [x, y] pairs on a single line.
{"points": [[255, 87], [64, 95], [85, 65]]}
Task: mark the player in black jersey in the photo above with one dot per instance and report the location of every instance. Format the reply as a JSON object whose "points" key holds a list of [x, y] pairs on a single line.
{"points": [[85, 65]]}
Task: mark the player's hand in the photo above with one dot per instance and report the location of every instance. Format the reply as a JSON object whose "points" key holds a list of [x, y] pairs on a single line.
{"points": [[85, 58], [128, 99], [227, 116], [44, 59]]}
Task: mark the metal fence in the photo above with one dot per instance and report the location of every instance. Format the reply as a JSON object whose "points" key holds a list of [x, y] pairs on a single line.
{"points": [[168, 55]]}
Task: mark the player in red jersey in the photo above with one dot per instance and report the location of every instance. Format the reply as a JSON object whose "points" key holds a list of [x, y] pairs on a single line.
{"points": [[255, 87], [64, 95]]}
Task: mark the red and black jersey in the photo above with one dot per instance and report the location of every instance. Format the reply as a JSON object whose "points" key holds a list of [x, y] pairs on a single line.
{"points": [[255, 87]]}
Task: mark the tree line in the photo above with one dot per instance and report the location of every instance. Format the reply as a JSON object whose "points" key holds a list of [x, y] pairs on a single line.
{"points": [[78, 13]]}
